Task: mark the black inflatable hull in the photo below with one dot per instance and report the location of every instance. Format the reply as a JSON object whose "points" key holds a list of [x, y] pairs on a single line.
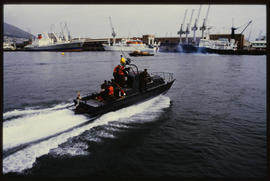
{"points": [[138, 97]]}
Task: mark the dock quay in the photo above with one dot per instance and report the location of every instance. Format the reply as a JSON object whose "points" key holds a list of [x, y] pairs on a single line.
{"points": [[238, 52], [169, 44], [94, 44]]}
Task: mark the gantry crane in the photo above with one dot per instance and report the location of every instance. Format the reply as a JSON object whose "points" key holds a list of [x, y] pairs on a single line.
{"points": [[188, 25], [194, 28], [233, 28], [203, 27], [113, 32], [181, 31]]}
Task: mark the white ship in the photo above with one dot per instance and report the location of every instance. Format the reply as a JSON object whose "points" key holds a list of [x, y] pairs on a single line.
{"points": [[52, 42], [259, 43], [129, 45], [220, 44], [8, 46]]}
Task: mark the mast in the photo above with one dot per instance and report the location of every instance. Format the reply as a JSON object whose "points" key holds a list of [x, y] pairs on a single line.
{"points": [[194, 28], [62, 36], [68, 37], [180, 32]]}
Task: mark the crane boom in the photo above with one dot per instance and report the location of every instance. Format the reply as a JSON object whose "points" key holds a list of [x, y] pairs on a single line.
{"points": [[180, 32], [203, 28], [199, 12], [113, 32], [207, 13], [187, 30], [246, 26], [185, 17], [194, 28]]}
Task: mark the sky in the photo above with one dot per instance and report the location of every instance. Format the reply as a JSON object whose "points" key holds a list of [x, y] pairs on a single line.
{"points": [[92, 21]]}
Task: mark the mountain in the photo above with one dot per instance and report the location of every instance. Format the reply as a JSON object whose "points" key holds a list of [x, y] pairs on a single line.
{"points": [[13, 31]]}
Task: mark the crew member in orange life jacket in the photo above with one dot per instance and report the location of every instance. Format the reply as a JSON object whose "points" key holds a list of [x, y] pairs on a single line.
{"points": [[119, 72], [110, 90], [118, 91]]}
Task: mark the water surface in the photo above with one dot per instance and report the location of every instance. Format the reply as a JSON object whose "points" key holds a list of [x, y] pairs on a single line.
{"points": [[211, 123]]}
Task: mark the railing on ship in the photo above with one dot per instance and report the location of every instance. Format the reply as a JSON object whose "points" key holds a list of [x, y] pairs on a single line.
{"points": [[167, 76]]}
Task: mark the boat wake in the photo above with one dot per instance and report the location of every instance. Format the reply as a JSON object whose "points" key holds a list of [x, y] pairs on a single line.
{"points": [[33, 133]]}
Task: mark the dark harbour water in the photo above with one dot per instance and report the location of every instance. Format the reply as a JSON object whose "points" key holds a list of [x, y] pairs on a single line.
{"points": [[211, 123]]}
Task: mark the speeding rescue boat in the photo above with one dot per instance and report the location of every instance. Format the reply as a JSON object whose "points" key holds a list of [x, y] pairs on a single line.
{"points": [[136, 91]]}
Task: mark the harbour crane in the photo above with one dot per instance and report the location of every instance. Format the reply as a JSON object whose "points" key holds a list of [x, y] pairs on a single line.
{"points": [[188, 25], [234, 28], [194, 28], [246, 26], [181, 31], [203, 27], [113, 32]]}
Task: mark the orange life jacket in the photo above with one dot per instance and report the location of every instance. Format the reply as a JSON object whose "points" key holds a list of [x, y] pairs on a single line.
{"points": [[119, 70], [111, 91]]}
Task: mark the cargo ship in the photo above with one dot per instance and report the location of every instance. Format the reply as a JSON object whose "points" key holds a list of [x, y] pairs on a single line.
{"points": [[52, 42]]}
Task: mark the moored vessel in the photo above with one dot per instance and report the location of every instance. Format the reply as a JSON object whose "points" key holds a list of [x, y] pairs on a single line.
{"points": [[9, 46], [52, 42], [129, 45]]}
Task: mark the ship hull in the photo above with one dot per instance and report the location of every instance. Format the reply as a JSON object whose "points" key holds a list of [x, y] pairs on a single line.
{"points": [[122, 103], [73, 46], [127, 48], [176, 47]]}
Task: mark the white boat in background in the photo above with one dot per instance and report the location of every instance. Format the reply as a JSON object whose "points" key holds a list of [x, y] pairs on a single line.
{"points": [[56, 42], [52, 42], [9, 46], [259, 43], [129, 45], [220, 44]]}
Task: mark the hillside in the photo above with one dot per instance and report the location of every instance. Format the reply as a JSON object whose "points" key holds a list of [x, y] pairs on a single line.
{"points": [[13, 31]]}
